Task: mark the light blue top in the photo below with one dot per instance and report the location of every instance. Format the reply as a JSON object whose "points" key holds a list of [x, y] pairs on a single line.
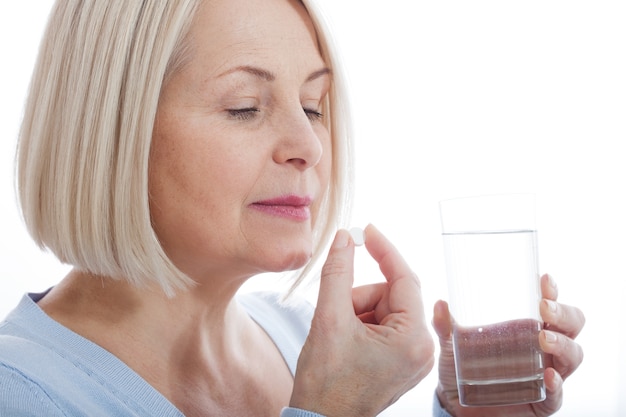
{"points": [[48, 370]]}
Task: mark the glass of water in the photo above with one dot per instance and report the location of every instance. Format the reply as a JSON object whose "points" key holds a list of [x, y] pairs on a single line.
{"points": [[490, 245]]}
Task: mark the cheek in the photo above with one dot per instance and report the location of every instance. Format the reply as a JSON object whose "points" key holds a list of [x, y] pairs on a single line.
{"points": [[178, 178], [200, 178], [171, 172], [189, 196], [184, 163]]}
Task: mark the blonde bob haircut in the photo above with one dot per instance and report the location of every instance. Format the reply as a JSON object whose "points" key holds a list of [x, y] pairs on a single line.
{"points": [[84, 145]]}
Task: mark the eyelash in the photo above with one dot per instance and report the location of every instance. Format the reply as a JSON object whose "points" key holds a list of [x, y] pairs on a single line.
{"points": [[243, 114], [313, 115], [249, 112]]}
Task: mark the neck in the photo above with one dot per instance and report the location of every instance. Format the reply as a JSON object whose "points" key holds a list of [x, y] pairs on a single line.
{"points": [[114, 314], [199, 348]]}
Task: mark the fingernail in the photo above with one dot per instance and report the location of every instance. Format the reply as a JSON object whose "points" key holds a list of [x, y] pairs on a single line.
{"points": [[551, 281], [550, 336], [551, 306], [341, 239]]}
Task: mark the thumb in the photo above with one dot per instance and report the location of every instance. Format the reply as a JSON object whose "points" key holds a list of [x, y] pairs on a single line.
{"points": [[335, 290]]}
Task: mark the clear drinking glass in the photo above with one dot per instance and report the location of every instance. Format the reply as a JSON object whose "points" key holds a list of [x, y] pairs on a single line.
{"points": [[490, 245]]}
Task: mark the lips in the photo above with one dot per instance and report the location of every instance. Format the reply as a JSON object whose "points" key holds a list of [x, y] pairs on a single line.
{"points": [[291, 207]]}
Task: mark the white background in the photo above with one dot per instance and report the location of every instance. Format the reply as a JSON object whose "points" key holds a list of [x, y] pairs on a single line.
{"points": [[450, 98]]}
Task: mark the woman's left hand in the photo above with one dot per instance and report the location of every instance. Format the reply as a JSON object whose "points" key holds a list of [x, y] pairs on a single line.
{"points": [[562, 323]]}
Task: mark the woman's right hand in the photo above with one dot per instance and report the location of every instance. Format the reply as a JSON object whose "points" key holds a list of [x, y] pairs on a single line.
{"points": [[368, 345]]}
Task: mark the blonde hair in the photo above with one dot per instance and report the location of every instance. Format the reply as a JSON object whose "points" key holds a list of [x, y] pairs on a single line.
{"points": [[84, 144]]}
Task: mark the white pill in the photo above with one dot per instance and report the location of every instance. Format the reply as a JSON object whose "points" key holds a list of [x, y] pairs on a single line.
{"points": [[357, 236]]}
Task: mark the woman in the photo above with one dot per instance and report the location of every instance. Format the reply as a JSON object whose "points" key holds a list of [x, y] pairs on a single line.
{"points": [[169, 152]]}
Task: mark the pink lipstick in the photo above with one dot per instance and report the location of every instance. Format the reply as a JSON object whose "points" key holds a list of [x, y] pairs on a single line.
{"points": [[291, 207]]}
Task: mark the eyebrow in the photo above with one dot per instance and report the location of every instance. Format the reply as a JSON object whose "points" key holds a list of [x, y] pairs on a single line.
{"points": [[269, 76], [319, 73]]}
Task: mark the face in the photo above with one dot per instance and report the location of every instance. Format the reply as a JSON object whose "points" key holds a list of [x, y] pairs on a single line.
{"points": [[240, 157]]}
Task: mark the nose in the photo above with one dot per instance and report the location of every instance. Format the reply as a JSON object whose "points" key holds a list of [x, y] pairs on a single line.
{"points": [[299, 142]]}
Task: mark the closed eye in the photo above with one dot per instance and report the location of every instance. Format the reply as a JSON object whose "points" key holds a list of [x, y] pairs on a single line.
{"points": [[313, 115], [243, 114], [249, 113]]}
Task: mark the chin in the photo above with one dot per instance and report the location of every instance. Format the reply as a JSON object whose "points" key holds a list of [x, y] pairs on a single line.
{"points": [[276, 253], [289, 262]]}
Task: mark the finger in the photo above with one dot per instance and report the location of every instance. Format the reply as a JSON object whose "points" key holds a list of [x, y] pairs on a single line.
{"points": [[366, 298], [549, 288], [391, 263], [562, 318], [567, 355], [554, 392], [405, 291], [335, 291], [442, 321]]}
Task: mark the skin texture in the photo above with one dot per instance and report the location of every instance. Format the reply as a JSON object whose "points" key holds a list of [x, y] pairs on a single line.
{"points": [[563, 355]]}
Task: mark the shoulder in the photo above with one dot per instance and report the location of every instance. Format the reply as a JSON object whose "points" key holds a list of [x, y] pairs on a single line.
{"points": [[47, 370], [21, 393], [21, 351], [26, 345], [30, 374], [270, 310], [287, 322]]}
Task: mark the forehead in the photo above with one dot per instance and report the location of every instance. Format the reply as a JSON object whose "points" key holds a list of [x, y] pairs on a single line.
{"points": [[231, 32]]}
